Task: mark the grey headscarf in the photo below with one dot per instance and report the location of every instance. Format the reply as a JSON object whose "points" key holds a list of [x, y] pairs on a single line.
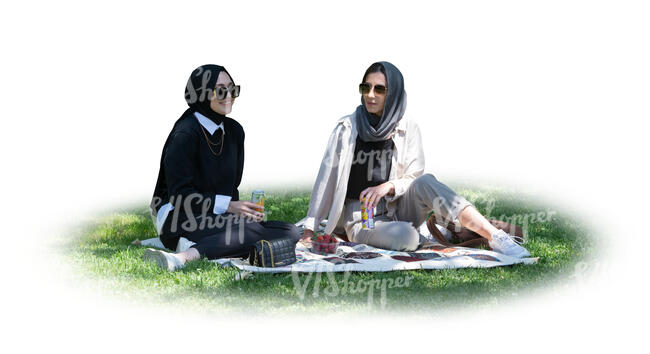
{"points": [[394, 108]]}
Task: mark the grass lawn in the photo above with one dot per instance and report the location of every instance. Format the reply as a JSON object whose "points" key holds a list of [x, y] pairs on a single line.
{"points": [[102, 251]]}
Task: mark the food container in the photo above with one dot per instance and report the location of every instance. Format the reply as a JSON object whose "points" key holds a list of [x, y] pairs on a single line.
{"points": [[324, 244]]}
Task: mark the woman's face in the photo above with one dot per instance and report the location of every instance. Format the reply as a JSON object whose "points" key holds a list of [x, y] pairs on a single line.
{"points": [[223, 106], [375, 102]]}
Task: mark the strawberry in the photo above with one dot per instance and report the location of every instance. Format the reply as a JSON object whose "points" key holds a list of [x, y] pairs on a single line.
{"points": [[320, 238]]}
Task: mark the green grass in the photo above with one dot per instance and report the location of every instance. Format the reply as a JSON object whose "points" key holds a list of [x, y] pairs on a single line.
{"points": [[102, 251]]}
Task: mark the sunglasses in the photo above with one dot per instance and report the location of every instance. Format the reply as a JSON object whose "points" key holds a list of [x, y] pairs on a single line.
{"points": [[221, 92], [365, 88]]}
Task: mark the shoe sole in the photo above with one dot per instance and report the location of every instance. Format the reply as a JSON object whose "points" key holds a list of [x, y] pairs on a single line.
{"points": [[518, 255], [151, 254]]}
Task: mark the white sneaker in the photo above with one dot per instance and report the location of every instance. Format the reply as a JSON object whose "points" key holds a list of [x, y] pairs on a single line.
{"points": [[165, 260], [507, 244]]}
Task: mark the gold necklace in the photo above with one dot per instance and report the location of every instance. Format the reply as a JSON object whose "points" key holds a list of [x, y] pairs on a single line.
{"points": [[205, 134]]}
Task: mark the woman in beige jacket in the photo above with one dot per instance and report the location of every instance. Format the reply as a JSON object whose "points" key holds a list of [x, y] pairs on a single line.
{"points": [[374, 156]]}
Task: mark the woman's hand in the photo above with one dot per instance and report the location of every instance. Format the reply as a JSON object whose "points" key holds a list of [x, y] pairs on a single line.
{"points": [[246, 209], [307, 234], [306, 237], [374, 194]]}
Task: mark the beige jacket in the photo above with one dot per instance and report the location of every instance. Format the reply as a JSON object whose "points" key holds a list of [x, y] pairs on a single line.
{"points": [[328, 194]]}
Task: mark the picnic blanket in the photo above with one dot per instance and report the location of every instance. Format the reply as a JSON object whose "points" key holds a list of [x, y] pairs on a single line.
{"points": [[360, 257]]}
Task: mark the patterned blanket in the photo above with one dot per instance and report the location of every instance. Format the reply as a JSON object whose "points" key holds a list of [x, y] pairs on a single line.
{"points": [[352, 256]]}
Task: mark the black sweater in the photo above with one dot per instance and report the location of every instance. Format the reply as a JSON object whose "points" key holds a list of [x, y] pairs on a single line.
{"points": [[362, 174], [189, 169]]}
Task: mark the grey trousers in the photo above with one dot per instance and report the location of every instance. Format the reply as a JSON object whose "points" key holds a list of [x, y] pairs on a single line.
{"points": [[399, 232]]}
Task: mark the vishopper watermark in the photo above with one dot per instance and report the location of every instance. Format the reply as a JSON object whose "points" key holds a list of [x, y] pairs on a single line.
{"points": [[348, 287], [490, 202], [518, 219], [524, 220], [591, 271], [201, 93], [205, 219], [382, 157]]}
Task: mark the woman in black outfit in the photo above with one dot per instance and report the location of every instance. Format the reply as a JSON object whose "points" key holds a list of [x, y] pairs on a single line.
{"points": [[196, 194]]}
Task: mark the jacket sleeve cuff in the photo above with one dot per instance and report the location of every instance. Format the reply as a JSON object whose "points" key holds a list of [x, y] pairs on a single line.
{"points": [[401, 185], [221, 203]]}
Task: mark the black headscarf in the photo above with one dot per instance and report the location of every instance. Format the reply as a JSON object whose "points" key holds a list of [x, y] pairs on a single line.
{"points": [[199, 87], [368, 126]]}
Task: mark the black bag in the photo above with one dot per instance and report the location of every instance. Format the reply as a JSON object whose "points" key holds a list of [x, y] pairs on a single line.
{"points": [[274, 253]]}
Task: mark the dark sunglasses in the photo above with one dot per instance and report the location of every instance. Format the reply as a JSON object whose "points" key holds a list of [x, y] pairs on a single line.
{"points": [[221, 92], [365, 88]]}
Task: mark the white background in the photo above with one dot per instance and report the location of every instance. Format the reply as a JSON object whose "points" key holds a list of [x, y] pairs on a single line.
{"points": [[548, 97]]}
